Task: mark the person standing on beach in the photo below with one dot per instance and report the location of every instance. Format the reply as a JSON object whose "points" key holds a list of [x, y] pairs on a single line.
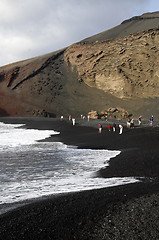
{"points": [[120, 129], [109, 127], [99, 128], [132, 123], [114, 127], [151, 120], [128, 123], [139, 120], [73, 121]]}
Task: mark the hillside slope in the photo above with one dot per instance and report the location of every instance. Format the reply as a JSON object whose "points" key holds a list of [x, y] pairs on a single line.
{"points": [[133, 25], [116, 68]]}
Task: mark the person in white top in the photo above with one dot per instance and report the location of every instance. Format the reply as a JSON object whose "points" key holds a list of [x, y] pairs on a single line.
{"points": [[73, 121], [120, 129]]}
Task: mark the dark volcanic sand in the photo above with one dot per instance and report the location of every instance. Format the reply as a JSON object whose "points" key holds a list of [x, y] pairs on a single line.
{"points": [[129, 212]]}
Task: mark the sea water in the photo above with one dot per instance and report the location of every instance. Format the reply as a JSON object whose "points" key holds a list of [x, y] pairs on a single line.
{"points": [[31, 169]]}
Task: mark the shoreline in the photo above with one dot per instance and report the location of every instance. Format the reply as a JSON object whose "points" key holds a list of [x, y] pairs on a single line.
{"points": [[95, 214]]}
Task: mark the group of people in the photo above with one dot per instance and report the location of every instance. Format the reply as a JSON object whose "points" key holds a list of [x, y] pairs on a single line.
{"points": [[111, 128], [129, 124]]}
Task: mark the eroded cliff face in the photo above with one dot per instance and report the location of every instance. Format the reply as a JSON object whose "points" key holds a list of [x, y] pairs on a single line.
{"points": [[29, 87], [125, 67]]}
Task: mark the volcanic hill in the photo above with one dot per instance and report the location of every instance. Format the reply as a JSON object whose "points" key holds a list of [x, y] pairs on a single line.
{"points": [[118, 68]]}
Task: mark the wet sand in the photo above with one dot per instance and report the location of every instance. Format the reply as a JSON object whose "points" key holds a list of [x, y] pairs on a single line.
{"points": [[123, 212]]}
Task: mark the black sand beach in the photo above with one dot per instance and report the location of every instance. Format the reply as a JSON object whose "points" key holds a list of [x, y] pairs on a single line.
{"points": [[124, 212]]}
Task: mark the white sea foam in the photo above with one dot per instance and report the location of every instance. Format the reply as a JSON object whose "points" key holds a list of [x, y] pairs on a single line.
{"points": [[11, 135], [30, 169]]}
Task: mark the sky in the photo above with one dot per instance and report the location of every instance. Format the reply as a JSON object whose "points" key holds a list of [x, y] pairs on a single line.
{"points": [[30, 28]]}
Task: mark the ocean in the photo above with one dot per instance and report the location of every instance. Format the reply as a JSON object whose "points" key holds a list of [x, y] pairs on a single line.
{"points": [[30, 168]]}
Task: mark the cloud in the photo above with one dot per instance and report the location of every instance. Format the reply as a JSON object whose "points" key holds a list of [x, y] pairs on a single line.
{"points": [[34, 27]]}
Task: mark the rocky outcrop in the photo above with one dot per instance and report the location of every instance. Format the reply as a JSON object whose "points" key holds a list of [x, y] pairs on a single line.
{"points": [[110, 113], [93, 114], [125, 67]]}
